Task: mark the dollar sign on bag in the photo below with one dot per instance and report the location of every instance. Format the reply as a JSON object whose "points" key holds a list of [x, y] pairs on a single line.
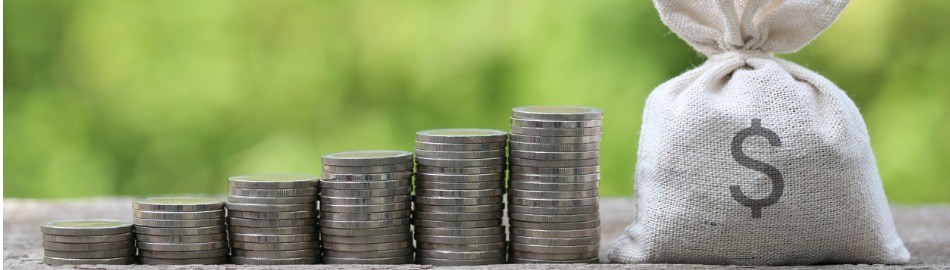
{"points": [[778, 184]]}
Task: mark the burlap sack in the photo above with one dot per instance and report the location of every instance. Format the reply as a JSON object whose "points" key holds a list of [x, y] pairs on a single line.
{"points": [[753, 160]]}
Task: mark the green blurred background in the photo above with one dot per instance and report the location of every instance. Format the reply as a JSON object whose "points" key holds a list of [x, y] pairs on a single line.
{"points": [[154, 97]]}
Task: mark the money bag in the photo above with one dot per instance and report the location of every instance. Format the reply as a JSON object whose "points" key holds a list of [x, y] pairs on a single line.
{"points": [[749, 159]]}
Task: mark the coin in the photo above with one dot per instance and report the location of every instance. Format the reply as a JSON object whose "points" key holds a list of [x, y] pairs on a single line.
{"points": [[557, 113], [537, 155], [555, 226], [273, 215], [554, 256], [87, 238], [556, 132], [313, 252], [181, 246], [273, 230], [462, 247], [461, 208], [394, 168], [273, 246], [592, 232], [553, 194], [365, 216], [386, 260], [273, 192], [542, 178], [184, 223], [456, 224], [523, 170], [157, 261], [401, 252], [554, 249], [184, 254], [460, 170], [447, 162], [273, 261], [270, 222], [460, 146], [574, 210], [89, 227], [555, 163], [400, 237], [278, 181], [456, 262], [554, 140], [366, 247], [180, 231], [257, 207], [366, 232], [437, 177], [344, 201], [541, 186], [366, 158], [479, 239], [560, 241], [498, 184], [179, 215], [381, 184], [53, 261], [559, 147], [516, 122], [461, 255], [457, 201], [475, 193], [88, 246], [369, 224], [449, 231], [585, 261], [362, 193], [445, 216], [181, 238], [272, 200], [356, 177], [461, 135], [178, 204], [364, 208], [270, 238], [552, 202], [104, 254], [460, 154]]}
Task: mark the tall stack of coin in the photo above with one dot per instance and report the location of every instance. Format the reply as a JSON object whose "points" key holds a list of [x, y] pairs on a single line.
{"points": [[72, 242], [272, 219], [460, 184], [180, 230], [552, 193], [365, 207]]}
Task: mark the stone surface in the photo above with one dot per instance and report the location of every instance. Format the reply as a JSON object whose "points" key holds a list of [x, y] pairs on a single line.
{"points": [[924, 229]]}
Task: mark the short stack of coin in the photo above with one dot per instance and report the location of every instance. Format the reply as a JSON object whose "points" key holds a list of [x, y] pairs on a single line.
{"points": [[460, 185], [74, 242], [180, 230], [365, 207], [554, 177], [272, 219]]}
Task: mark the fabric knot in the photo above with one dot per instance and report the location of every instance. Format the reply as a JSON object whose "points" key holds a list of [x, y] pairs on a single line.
{"points": [[740, 55]]}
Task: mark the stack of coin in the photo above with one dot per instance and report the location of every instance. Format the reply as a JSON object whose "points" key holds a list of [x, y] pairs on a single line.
{"points": [[180, 230], [460, 184], [72, 242], [272, 219], [552, 192], [365, 207]]}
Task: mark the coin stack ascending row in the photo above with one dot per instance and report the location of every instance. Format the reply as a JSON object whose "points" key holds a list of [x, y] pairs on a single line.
{"points": [[180, 230], [460, 183], [554, 176], [73, 242], [365, 207], [272, 219]]}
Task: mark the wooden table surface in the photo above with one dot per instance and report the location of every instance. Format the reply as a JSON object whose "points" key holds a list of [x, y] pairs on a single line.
{"points": [[924, 229]]}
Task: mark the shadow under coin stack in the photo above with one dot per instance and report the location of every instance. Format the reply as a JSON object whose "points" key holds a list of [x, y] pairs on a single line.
{"points": [[180, 230], [74, 242], [365, 207], [552, 187], [272, 219], [460, 184]]}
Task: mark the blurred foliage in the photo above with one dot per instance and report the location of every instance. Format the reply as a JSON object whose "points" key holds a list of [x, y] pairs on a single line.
{"points": [[107, 97]]}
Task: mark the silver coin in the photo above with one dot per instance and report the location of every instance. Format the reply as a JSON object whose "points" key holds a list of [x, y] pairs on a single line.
{"points": [[446, 216], [366, 247], [344, 201], [366, 216], [536, 155], [273, 181], [179, 215], [456, 163], [104, 254], [555, 241], [257, 207], [559, 179], [181, 238], [456, 224], [276, 254], [557, 113], [517, 122], [586, 261], [554, 140], [475, 193], [460, 170], [53, 261], [555, 163], [88, 246], [457, 262], [274, 246], [554, 210], [556, 132], [460, 231], [363, 193], [206, 261], [554, 249], [180, 231], [185, 254], [592, 232], [178, 204], [244, 222], [460, 146], [555, 226], [381, 184], [554, 256], [358, 177], [366, 232], [87, 239], [460, 154], [437, 177], [184, 223], [463, 247], [359, 224], [557, 147], [272, 238], [400, 237], [395, 168], [376, 208], [461, 135], [368, 254], [541, 186], [366, 158], [90, 227], [461, 255], [273, 230], [480, 239], [457, 201], [552, 202], [182, 246], [553, 194], [273, 192], [407, 259], [273, 215], [516, 169], [274, 261], [498, 184], [460, 209], [272, 200]]}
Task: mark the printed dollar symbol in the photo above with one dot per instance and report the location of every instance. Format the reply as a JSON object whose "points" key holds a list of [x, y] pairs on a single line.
{"points": [[778, 184]]}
